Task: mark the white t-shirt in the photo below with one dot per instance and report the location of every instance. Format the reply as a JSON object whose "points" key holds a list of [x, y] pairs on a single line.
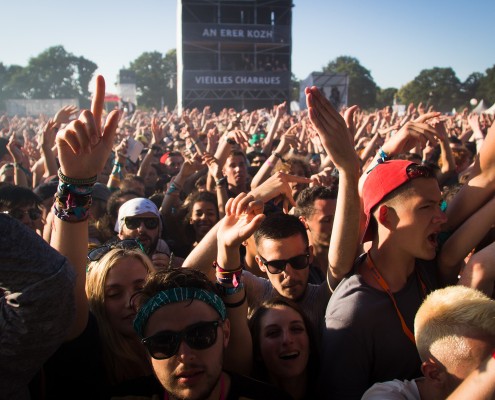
{"points": [[393, 390]]}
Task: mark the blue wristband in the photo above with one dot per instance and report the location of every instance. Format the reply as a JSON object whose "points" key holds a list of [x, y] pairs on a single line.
{"points": [[382, 154]]}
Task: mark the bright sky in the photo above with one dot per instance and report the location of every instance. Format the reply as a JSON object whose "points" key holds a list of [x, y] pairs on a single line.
{"points": [[394, 39]]}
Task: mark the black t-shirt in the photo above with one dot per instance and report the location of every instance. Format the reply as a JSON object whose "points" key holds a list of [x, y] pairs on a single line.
{"points": [[243, 387], [77, 371]]}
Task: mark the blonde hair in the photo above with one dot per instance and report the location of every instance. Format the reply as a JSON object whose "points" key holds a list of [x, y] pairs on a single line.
{"points": [[447, 317], [123, 357]]}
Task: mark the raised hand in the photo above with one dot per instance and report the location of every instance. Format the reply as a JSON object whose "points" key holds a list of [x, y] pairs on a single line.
{"points": [[83, 147], [157, 131], [48, 135], [280, 109], [64, 114], [349, 119], [409, 135], [289, 139], [332, 130], [277, 187], [213, 167], [241, 220]]}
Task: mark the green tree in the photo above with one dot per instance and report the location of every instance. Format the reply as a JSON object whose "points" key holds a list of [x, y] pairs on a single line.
{"points": [[294, 88], [54, 73], [11, 84], [439, 87], [470, 86], [156, 78], [362, 87], [486, 88], [385, 97]]}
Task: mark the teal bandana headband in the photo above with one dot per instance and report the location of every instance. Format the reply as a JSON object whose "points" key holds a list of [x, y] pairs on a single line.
{"points": [[176, 295]]}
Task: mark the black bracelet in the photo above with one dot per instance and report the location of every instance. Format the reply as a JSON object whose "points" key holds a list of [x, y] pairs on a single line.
{"points": [[238, 304], [74, 181], [278, 155], [231, 141], [222, 181]]}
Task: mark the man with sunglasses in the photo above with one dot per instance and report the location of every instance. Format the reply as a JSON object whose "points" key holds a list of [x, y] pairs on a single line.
{"points": [[139, 219], [183, 324], [283, 250], [22, 204]]}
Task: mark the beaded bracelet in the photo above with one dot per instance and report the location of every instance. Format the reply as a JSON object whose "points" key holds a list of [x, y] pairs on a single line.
{"points": [[74, 181]]}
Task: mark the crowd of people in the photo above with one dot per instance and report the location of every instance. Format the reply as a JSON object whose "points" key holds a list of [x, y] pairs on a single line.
{"points": [[323, 254]]}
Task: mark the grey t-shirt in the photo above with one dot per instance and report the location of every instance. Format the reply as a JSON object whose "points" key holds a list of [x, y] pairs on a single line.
{"points": [[363, 341], [393, 390], [36, 305], [314, 301]]}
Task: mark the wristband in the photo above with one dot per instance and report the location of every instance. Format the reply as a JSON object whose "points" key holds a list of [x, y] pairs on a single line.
{"points": [[173, 188], [25, 170], [382, 154], [238, 304], [278, 155], [229, 291], [74, 181], [231, 141], [222, 181], [225, 277]]}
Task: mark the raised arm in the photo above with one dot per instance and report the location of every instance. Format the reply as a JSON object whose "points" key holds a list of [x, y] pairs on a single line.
{"points": [[238, 225], [83, 148], [337, 141], [275, 188], [47, 141], [480, 384], [20, 163], [479, 189], [288, 140]]}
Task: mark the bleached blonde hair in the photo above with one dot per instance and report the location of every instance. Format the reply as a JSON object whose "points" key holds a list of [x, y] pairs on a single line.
{"points": [[447, 318]]}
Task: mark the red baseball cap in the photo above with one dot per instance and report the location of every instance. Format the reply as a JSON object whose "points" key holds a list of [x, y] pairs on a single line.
{"points": [[163, 158], [384, 178]]}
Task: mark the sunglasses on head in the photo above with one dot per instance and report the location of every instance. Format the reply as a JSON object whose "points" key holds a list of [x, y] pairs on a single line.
{"points": [[128, 244], [17, 213], [165, 344], [419, 171], [135, 222], [277, 266]]}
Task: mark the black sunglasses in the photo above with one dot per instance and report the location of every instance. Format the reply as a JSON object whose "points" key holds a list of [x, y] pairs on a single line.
{"points": [[165, 344], [17, 213], [128, 244], [135, 222], [419, 171], [277, 266]]}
